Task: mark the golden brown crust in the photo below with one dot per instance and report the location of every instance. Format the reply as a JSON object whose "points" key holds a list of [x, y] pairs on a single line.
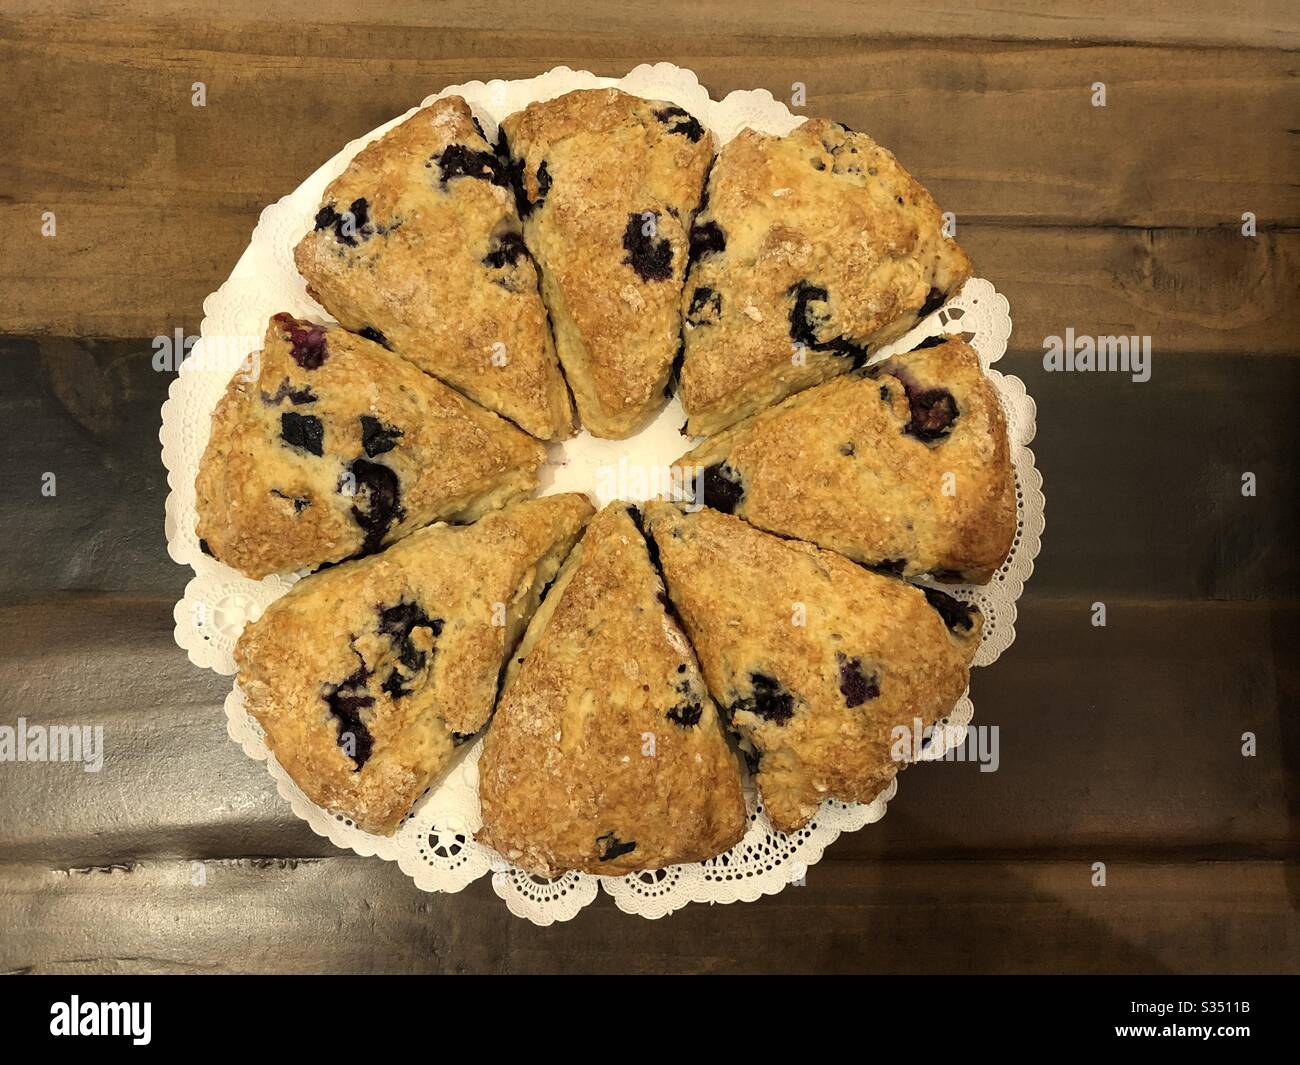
{"points": [[831, 249], [367, 676], [378, 450], [847, 466], [600, 169], [816, 659], [437, 267], [605, 736]]}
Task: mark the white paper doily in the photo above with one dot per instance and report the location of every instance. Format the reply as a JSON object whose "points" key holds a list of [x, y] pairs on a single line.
{"points": [[435, 844]]}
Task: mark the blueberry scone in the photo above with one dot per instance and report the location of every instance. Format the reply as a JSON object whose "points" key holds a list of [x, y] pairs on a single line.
{"points": [[334, 447], [815, 660], [607, 184], [606, 753], [903, 466], [812, 250], [366, 677], [417, 245]]}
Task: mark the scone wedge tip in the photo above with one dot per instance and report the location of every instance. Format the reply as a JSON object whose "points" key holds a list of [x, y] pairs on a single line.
{"points": [[904, 466], [367, 677], [331, 446], [417, 245], [814, 660], [606, 754], [813, 250]]}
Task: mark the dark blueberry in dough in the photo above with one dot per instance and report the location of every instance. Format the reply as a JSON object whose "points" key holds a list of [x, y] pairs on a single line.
{"points": [[398, 622], [680, 121], [849, 449], [770, 701], [296, 396], [459, 160], [346, 700], [378, 493], [856, 687], [303, 431], [358, 214], [609, 847], [376, 437], [722, 488], [810, 314], [885, 393], [300, 503], [956, 614], [306, 340], [508, 251], [933, 300], [374, 335], [543, 184], [650, 257], [706, 306], [686, 713], [931, 342], [706, 239], [478, 126], [203, 546], [933, 412]]}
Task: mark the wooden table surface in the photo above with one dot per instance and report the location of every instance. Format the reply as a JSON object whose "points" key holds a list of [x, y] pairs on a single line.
{"points": [[1119, 744]]}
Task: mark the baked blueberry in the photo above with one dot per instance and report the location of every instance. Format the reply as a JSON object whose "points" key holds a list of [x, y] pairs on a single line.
{"points": [[706, 306], [933, 412], [378, 507], [459, 160], [770, 699], [376, 437], [706, 238], [303, 431], [650, 256], [688, 712], [609, 847], [956, 615], [346, 700], [306, 339], [678, 120], [508, 251], [300, 503], [347, 225], [811, 314], [203, 546], [297, 396], [855, 685], [721, 488]]}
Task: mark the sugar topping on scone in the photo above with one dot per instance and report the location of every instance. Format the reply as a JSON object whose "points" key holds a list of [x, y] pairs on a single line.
{"points": [[606, 753], [418, 246], [335, 447], [366, 677], [607, 185], [816, 661], [812, 250], [903, 466]]}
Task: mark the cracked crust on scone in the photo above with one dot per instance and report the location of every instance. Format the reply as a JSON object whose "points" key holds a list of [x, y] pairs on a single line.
{"points": [[815, 660], [367, 677], [813, 249], [417, 245], [606, 753], [331, 446], [607, 185], [903, 466]]}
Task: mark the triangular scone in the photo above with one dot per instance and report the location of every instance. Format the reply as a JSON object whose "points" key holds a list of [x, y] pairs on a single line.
{"points": [[814, 249], [417, 245], [335, 447], [607, 185], [815, 660], [367, 676], [606, 753], [904, 467]]}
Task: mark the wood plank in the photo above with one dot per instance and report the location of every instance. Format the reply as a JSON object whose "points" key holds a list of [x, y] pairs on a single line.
{"points": [[1121, 741], [1271, 23], [1192, 291], [1001, 132], [902, 917]]}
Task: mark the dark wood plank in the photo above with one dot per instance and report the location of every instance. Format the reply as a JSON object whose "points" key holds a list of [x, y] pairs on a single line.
{"points": [[352, 915]]}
